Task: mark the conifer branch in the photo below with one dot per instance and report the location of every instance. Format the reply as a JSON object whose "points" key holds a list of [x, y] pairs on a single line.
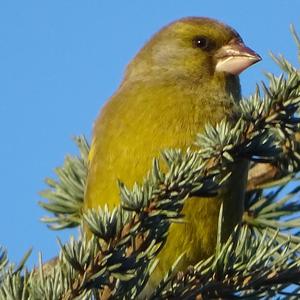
{"points": [[65, 194], [246, 267], [260, 259]]}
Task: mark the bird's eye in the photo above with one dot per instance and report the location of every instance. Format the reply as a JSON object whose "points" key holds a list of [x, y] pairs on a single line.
{"points": [[201, 42]]}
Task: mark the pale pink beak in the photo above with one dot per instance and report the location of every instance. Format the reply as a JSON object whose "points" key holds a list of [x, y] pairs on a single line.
{"points": [[235, 57]]}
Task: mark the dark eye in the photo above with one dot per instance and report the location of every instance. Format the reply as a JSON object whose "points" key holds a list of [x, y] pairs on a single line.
{"points": [[201, 42]]}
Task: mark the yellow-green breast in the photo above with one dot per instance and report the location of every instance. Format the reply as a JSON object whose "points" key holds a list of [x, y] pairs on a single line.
{"points": [[170, 91], [134, 126]]}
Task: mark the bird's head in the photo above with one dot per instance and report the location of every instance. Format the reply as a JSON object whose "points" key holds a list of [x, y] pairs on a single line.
{"points": [[194, 49]]}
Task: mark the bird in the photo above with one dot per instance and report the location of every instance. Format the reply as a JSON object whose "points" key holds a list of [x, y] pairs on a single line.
{"points": [[185, 76]]}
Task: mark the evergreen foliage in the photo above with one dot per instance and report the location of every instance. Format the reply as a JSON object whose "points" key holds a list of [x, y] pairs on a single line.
{"points": [[261, 258]]}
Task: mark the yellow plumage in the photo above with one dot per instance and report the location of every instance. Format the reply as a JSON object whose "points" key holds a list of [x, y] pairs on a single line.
{"points": [[170, 91]]}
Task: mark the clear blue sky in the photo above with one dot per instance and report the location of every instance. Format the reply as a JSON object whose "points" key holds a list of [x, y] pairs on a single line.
{"points": [[61, 59]]}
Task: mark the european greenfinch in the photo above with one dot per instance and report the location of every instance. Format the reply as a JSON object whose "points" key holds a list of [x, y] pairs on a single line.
{"points": [[185, 77]]}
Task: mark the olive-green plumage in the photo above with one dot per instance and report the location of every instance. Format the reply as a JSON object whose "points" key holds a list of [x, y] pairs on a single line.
{"points": [[171, 89]]}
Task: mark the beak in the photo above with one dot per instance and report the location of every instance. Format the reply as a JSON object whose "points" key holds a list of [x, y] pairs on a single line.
{"points": [[235, 57]]}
